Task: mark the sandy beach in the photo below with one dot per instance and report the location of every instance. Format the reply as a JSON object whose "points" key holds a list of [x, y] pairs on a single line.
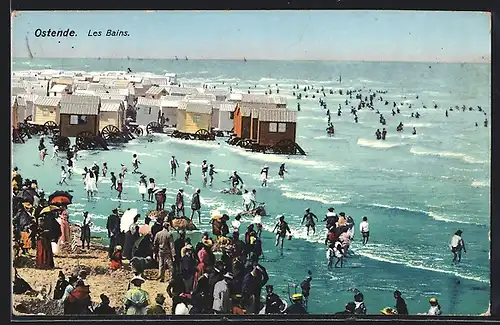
{"points": [[101, 279]]}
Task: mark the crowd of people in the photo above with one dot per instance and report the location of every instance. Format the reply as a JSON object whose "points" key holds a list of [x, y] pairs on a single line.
{"points": [[221, 275]]}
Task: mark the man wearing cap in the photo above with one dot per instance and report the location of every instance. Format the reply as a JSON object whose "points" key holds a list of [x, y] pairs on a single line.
{"points": [[331, 218], [113, 227], [196, 205], [274, 304], [104, 308], [222, 302], [164, 246]]}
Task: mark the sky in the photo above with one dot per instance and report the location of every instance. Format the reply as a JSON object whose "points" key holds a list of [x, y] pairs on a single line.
{"points": [[260, 35]]}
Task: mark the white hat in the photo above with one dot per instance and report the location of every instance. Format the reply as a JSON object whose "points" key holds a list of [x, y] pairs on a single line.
{"points": [[331, 214], [138, 277], [228, 275]]}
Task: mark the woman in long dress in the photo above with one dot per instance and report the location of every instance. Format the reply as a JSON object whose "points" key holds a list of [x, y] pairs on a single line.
{"points": [[143, 186], [90, 184], [44, 255]]}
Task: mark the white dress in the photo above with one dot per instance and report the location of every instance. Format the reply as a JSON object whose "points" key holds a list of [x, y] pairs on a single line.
{"points": [[142, 188], [263, 177], [90, 185]]}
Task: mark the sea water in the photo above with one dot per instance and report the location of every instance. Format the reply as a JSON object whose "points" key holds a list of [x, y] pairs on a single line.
{"points": [[415, 190]]}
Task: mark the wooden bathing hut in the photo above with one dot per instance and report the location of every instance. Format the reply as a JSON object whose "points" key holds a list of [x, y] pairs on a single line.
{"points": [[79, 114], [59, 90], [275, 125], [197, 116], [181, 91], [147, 110], [46, 110], [155, 92], [220, 94], [243, 120], [111, 114], [169, 106], [223, 115]]}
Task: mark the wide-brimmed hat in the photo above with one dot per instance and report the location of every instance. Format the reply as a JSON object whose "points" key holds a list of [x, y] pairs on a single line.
{"points": [[137, 278], [208, 242], [189, 247], [118, 248], [228, 275], [331, 209], [297, 297], [181, 190], [342, 214]]}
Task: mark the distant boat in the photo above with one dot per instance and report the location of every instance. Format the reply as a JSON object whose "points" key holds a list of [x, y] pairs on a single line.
{"points": [[28, 46], [98, 58], [245, 59], [128, 58], [340, 79], [186, 58], [176, 58]]}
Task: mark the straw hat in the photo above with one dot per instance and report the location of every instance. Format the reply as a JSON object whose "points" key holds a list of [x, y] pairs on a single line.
{"points": [[297, 297], [137, 278], [208, 242]]}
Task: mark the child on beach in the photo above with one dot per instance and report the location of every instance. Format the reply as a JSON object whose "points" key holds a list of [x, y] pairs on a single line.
{"points": [[104, 169], [119, 186], [90, 184], [113, 181], [63, 176], [55, 151], [142, 186], [135, 164], [211, 173], [43, 154], [124, 170]]}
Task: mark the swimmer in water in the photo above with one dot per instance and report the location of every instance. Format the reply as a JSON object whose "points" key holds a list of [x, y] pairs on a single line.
{"points": [[457, 245], [135, 164], [378, 134], [187, 172], [235, 180], [263, 175], [204, 171], [282, 171], [281, 229], [414, 131], [384, 133], [173, 166], [309, 218], [211, 173]]}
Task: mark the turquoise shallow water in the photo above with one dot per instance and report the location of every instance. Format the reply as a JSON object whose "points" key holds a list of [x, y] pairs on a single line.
{"points": [[415, 190]]}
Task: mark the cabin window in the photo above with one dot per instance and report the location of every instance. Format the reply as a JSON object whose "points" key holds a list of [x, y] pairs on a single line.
{"points": [[149, 111], [196, 118], [281, 127], [273, 127], [46, 112], [231, 115], [77, 119]]}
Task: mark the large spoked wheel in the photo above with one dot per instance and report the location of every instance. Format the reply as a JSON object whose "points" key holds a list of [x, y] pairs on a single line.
{"points": [[85, 141], [154, 127], [110, 133], [138, 131]]}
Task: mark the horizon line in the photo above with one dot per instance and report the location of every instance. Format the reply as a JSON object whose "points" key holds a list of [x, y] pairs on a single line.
{"points": [[242, 59]]}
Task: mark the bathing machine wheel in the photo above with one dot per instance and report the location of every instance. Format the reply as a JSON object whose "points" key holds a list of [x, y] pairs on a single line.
{"points": [[51, 127], [138, 131], [85, 141], [203, 134], [286, 147], [62, 142], [154, 127], [112, 134]]}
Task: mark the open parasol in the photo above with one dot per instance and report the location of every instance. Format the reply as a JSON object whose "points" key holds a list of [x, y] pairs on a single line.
{"points": [[50, 208], [60, 197], [127, 219]]}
